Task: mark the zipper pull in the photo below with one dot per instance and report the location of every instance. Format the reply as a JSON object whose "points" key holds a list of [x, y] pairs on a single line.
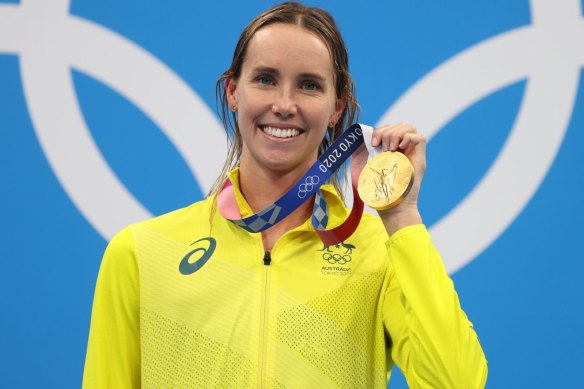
{"points": [[267, 258]]}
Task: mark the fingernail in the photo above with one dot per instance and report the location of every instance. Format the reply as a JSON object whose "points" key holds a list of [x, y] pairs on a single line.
{"points": [[374, 142]]}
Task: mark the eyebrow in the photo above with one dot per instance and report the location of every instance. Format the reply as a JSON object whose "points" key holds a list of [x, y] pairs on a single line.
{"points": [[274, 71]]}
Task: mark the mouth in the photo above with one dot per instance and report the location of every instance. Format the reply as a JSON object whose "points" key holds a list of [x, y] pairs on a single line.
{"points": [[280, 132]]}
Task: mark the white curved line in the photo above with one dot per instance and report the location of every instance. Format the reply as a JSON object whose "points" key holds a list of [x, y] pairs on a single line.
{"points": [[150, 85], [66, 142], [49, 43], [517, 172], [58, 122], [551, 57], [464, 80]]}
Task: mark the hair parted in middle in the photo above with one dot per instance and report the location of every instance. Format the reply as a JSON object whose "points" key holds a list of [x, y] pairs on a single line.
{"points": [[320, 23]]}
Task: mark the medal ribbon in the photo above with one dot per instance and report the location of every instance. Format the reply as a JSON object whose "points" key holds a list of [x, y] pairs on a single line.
{"points": [[329, 162]]}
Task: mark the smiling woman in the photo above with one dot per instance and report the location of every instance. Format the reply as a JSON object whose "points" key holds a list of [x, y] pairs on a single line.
{"points": [[286, 86], [282, 308]]}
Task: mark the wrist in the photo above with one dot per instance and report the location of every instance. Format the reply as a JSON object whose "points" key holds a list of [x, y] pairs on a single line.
{"points": [[397, 218]]}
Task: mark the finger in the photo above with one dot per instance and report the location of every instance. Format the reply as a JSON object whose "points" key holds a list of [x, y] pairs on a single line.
{"points": [[382, 136], [399, 133], [405, 142], [377, 134], [391, 136], [416, 152], [413, 139]]}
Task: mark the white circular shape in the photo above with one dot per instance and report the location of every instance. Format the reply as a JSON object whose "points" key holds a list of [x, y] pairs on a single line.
{"points": [[549, 54], [50, 42]]}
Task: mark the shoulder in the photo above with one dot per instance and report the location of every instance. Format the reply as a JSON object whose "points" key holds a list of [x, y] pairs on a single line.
{"points": [[177, 225], [196, 213]]}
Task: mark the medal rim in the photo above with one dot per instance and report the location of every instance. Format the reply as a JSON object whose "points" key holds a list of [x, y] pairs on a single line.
{"points": [[399, 198]]}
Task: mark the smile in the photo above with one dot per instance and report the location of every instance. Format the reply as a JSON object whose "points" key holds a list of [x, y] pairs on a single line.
{"points": [[280, 132]]}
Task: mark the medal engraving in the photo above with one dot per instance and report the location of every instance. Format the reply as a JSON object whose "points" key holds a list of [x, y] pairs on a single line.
{"points": [[386, 180]]}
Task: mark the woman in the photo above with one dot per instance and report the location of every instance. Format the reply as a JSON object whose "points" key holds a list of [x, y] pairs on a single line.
{"points": [[190, 299]]}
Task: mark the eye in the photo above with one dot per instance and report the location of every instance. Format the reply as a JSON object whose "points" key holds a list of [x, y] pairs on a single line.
{"points": [[265, 80], [311, 86]]}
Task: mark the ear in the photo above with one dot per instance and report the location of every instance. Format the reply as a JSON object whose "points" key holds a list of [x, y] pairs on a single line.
{"points": [[230, 87], [339, 108]]}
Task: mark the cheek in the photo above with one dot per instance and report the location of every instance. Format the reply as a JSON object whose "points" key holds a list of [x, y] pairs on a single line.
{"points": [[318, 109], [251, 103]]}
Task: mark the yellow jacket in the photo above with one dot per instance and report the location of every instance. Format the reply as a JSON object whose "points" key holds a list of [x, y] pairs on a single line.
{"points": [[190, 300]]}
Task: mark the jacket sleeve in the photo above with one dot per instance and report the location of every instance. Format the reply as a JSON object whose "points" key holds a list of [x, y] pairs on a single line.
{"points": [[432, 340], [113, 351]]}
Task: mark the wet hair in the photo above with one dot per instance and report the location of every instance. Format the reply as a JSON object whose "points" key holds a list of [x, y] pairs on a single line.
{"points": [[320, 23]]}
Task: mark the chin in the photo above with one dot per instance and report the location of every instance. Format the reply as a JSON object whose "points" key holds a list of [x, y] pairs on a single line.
{"points": [[281, 164]]}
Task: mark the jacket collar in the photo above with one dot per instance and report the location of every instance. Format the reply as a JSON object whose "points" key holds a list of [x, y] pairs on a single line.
{"points": [[337, 211]]}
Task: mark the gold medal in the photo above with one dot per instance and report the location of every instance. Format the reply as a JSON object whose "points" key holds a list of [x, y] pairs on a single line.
{"points": [[386, 180]]}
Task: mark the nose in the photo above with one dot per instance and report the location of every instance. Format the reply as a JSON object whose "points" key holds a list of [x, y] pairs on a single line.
{"points": [[285, 103]]}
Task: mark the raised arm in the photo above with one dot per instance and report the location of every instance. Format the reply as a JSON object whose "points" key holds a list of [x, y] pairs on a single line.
{"points": [[432, 340]]}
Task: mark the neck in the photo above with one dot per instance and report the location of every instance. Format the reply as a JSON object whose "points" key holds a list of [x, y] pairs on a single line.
{"points": [[262, 187]]}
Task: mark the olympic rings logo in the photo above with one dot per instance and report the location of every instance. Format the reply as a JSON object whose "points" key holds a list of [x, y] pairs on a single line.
{"points": [[307, 186], [336, 258]]}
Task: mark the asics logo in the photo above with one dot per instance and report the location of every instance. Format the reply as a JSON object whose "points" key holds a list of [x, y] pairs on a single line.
{"points": [[307, 186], [187, 267]]}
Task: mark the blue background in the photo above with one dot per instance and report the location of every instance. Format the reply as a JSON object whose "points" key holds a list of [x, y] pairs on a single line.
{"points": [[524, 293]]}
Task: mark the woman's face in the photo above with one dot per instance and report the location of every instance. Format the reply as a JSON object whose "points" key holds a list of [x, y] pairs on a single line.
{"points": [[285, 97]]}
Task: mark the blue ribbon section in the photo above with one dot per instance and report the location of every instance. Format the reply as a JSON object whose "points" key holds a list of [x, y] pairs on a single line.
{"points": [[328, 163]]}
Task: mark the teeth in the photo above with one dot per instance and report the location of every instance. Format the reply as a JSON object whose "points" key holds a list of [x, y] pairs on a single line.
{"points": [[280, 133]]}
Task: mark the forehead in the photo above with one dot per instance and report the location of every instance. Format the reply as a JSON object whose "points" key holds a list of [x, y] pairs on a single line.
{"points": [[283, 45]]}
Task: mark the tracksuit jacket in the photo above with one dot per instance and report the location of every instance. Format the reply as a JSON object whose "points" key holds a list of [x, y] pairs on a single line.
{"points": [[190, 300]]}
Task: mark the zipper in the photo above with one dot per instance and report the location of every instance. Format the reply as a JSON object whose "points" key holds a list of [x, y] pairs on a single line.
{"points": [[267, 258], [264, 318]]}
